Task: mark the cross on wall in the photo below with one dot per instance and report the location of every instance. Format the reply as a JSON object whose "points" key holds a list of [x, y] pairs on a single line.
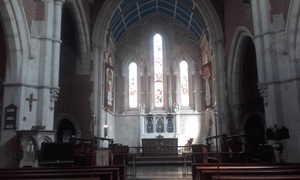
{"points": [[30, 99]]}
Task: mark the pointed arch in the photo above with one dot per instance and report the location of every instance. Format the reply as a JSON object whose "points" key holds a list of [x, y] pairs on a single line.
{"points": [[132, 56], [183, 55], [292, 37], [240, 38], [83, 66], [71, 119], [157, 29], [17, 39]]}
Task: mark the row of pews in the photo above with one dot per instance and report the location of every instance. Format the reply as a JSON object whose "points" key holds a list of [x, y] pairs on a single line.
{"points": [[245, 171], [112, 172]]}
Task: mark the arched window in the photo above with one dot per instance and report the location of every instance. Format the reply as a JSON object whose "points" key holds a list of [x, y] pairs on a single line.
{"points": [[184, 83], [132, 85], [158, 70]]}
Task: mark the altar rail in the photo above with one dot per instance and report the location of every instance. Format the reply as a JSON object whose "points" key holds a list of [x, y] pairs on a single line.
{"points": [[192, 159]]}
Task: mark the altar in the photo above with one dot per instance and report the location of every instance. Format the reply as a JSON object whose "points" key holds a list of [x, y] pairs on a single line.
{"points": [[160, 147]]}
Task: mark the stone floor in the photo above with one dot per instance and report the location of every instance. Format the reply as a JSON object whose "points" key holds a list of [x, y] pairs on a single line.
{"points": [[160, 173]]}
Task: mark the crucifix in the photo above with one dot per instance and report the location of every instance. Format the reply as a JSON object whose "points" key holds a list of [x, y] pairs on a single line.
{"points": [[30, 99], [102, 157]]}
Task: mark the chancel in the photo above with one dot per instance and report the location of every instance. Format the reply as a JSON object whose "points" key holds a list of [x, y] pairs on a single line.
{"points": [[124, 89]]}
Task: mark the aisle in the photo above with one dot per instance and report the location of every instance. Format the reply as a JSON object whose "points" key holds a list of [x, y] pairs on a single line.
{"points": [[160, 173]]}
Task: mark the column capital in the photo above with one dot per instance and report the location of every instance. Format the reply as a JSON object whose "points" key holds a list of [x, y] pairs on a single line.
{"points": [[221, 41], [100, 48], [59, 2], [236, 106]]}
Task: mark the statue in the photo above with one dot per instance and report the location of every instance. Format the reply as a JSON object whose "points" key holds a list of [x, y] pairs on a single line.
{"points": [[176, 107], [142, 108]]}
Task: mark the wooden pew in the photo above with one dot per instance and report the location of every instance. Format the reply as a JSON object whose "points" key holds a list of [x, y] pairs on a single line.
{"points": [[258, 177], [116, 172], [207, 172], [195, 165], [65, 175]]}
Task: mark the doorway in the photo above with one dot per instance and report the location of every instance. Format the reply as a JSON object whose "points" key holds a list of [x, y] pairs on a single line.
{"points": [[65, 130]]}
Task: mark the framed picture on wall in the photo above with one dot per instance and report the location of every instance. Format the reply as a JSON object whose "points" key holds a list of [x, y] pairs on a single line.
{"points": [[109, 87], [207, 85]]}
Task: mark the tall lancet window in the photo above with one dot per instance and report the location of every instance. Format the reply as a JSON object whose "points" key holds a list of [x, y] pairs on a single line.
{"points": [[132, 85], [158, 70], [184, 83]]}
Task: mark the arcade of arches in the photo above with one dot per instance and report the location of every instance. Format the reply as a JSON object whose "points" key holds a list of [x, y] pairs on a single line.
{"points": [[148, 68]]}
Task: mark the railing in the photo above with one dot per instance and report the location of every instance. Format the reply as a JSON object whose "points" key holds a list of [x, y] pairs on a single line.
{"points": [[188, 158]]}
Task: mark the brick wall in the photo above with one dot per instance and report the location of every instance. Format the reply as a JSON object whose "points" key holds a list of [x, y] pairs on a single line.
{"points": [[236, 14], [34, 10], [278, 7]]}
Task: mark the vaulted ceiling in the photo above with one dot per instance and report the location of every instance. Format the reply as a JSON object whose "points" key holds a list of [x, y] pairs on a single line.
{"points": [[130, 12]]}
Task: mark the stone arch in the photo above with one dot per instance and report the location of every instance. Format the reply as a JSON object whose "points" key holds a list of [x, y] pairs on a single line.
{"points": [[61, 117], [165, 43], [184, 56], [239, 42], [43, 139], [83, 66], [17, 39], [292, 36], [132, 57], [258, 121]]}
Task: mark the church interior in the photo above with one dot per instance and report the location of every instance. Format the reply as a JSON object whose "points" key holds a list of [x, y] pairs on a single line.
{"points": [[113, 88]]}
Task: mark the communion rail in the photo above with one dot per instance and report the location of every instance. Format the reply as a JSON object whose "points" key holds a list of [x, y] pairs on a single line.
{"points": [[189, 160]]}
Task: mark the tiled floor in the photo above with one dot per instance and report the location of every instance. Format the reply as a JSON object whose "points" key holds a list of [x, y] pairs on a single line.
{"points": [[160, 172]]}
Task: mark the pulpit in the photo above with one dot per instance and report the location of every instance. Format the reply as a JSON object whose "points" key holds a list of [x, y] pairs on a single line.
{"points": [[160, 147], [31, 141]]}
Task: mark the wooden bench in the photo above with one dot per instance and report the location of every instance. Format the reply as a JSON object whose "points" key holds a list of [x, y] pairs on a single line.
{"points": [[258, 177], [116, 172], [65, 175], [207, 172]]}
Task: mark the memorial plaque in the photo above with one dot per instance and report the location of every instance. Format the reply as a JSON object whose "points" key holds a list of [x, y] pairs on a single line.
{"points": [[10, 117]]}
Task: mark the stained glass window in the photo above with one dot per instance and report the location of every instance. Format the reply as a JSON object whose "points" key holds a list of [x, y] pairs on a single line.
{"points": [[158, 70], [132, 85], [149, 125], [160, 124], [184, 84], [170, 124]]}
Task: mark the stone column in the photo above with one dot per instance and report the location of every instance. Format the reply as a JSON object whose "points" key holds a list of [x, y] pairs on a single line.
{"points": [[201, 105], [96, 86], [142, 122], [237, 117], [151, 93], [220, 83], [56, 41], [125, 96], [195, 95], [100, 120], [177, 121], [169, 92]]}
